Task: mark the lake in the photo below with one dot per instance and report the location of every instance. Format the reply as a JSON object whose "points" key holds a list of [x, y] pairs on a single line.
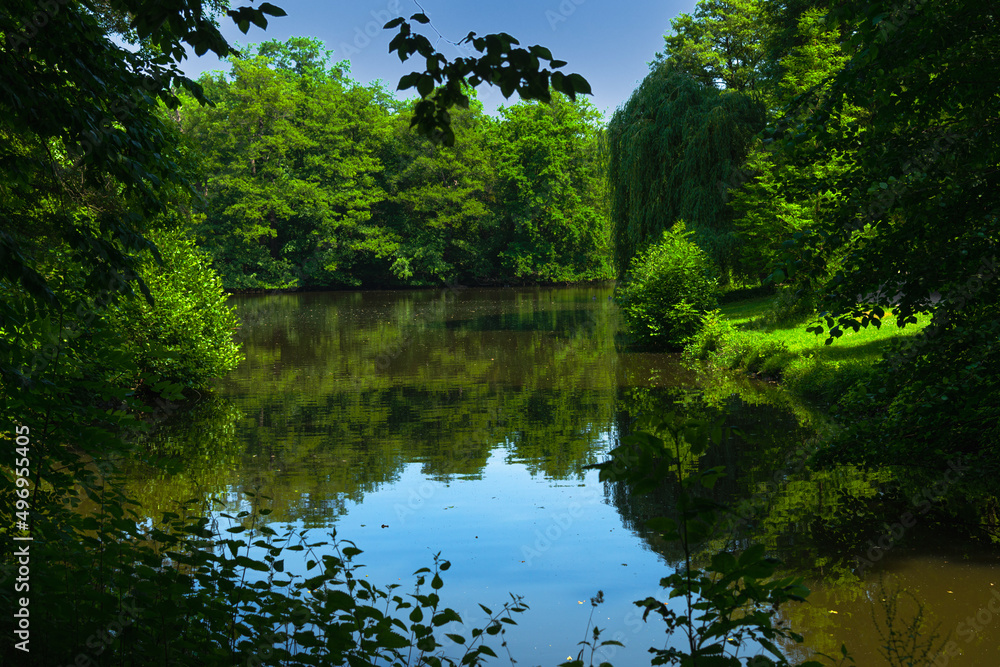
{"points": [[462, 421]]}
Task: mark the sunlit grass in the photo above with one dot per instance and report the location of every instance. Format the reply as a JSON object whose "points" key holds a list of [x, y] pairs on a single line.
{"points": [[742, 313], [802, 359]]}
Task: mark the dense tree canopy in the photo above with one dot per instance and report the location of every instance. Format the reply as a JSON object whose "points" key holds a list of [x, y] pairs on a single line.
{"points": [[674, 149], [438, 200], [917, 222], [723, 43], [289, 167], [80, 131], [551, 214], [311, 179]]}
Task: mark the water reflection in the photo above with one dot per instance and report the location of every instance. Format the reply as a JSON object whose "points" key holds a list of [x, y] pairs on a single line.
{"points": [[462, 420]]}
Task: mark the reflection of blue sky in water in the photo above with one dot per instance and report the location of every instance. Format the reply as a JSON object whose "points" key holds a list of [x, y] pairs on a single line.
{"points": [[556, 542]]}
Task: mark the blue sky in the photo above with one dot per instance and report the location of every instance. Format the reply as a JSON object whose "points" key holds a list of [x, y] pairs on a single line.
{"points": [[608, 42]]}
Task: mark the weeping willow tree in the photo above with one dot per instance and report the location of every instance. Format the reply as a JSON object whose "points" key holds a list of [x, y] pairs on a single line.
{"points": [[674, 150]]}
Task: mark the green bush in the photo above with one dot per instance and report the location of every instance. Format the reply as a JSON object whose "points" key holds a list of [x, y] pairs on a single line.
{"points": [[722, 344], [186, 335], [671, 285], [710, 339]]}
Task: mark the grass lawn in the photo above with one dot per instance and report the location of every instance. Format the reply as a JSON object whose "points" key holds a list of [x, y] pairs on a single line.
{"points": [[746, 339]]}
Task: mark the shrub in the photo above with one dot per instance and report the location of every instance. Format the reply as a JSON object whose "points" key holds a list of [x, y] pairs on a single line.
{"points": [[722, 344], [671, 285], [711, 337], [186, 335]]}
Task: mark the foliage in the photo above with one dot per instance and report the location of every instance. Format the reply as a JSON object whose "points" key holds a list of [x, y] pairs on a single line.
{"points": [[922, 187], [85, 159], [592, 638], [781, 348], [444, 84], [872, 185], [84, 142], [551, 220], [439, 201], [312, 180], [729, 605], [782, 189], [194, 590], [289, 168], [668, 289], [723, 44], [185, 335], [673, 151]]}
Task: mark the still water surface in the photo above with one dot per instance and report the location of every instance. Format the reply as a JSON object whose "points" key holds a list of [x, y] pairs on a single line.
{"points": [[461, 422]]}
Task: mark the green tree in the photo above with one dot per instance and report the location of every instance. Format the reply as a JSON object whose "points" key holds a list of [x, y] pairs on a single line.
{"points": [[439, 200], [186, 334], [723, 44], [85, 156], [779, 192], [673, 150], [668, 289], [290, 168], [923, 185], [551, 221]]}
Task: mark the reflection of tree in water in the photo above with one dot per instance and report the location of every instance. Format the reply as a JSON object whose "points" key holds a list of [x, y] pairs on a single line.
{"points": [[190, 449], [755, 456], [340, 391], [816, 522], [562, 322]]}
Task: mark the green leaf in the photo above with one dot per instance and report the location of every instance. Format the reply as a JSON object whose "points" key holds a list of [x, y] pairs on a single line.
{"points": [[752, 555], [272, 10], [425, 86], [579, 84]]}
